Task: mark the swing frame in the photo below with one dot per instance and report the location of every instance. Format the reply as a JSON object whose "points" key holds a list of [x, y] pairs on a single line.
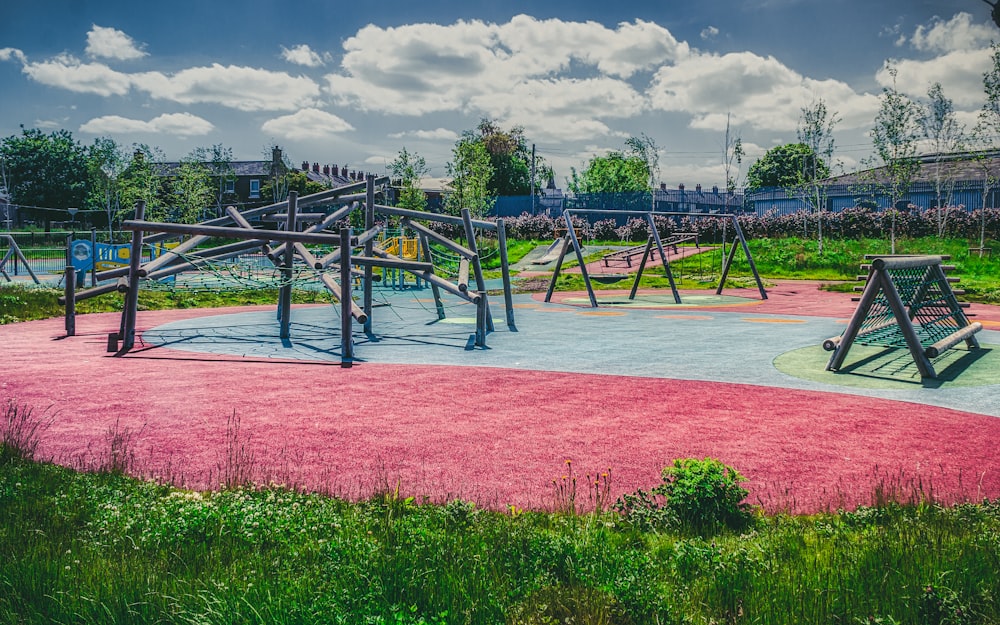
{"points": [[570, 239]]}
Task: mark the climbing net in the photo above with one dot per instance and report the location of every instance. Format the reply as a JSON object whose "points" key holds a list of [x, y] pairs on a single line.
{"points": [[244, 273], [932, 306]]}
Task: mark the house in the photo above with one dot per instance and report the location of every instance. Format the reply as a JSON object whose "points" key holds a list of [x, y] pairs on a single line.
{"points": [[246, 181], [684, 200], [959, 175]]}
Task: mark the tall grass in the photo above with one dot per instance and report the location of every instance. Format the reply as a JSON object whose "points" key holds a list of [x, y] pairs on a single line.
{"points": [[105, 548]]}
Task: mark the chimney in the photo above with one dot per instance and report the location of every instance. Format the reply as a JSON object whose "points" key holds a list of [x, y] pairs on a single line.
{"points": [[697, 188], [663, 186], [343, 172], [681, 186], [326, 170], [316, 167], [275, 155], [305, 165], [715, 189]]}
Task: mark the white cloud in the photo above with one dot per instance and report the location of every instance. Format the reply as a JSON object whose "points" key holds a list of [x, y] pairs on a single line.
{"points": [[757, 91], [243, 88], [709, 32], [51, 124], [308, 123], [438, 134], [176, 124], [67, 72], [7, 54], [302, 55], [477, 67], [111, 43], [960, 74], [958, 33]]}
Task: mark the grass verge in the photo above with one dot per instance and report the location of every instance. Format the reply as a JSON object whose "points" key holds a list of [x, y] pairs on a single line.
{"points": [[102, 547]]}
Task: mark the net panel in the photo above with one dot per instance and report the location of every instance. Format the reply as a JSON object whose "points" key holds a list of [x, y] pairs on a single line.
{"points": [[929, 300]]}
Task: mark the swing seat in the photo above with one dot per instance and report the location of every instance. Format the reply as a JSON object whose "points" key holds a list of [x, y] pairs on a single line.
{"points": [[608, 278]]}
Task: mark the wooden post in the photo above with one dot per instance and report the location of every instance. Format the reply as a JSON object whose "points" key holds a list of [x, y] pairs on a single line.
{"points": [[571, 233], [642, 267], [132, 296], [346, 320], [481, 312], [663, 254], [463, 274], [477, 267], [508, 298], [438, 305], [93, 257], [285, 292], [70, 300], [369, 246], [555, 272]]}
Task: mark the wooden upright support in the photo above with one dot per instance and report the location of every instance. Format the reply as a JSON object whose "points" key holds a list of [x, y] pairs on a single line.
{"points": [[346, 320], [368, 249], [70, 300], [477, 267], [285, 292], [508, 298], [132, 295]]}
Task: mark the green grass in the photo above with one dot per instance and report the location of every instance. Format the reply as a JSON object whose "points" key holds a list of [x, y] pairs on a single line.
{"points": [[26, 303], [104, 548]]}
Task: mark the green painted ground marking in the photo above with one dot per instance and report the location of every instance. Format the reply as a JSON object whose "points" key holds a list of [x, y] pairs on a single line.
{"points": [[880, 368]]}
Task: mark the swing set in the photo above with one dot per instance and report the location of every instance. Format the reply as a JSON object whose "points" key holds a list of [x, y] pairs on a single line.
{"points": [[654, 245]]}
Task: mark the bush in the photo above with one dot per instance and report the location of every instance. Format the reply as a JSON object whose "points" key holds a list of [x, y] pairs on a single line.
{"points": [[701, 495], [704, 493]]}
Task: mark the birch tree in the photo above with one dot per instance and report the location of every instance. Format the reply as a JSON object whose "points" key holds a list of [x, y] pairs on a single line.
{"points": [[815, 131], [895, 134], [945, 136]]}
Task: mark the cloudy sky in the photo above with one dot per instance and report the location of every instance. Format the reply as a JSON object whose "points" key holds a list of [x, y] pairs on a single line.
{"points": [[351, 83]]}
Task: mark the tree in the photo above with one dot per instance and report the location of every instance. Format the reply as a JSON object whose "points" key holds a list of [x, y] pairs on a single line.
{"points": [[815, 132], [471, 173], [995, 13], [106, 161], [292, 180], [632, 171], [219, 161], [732, 158], [895, 139], [985, 135], [46, 171], [785, 166], [409, 167], [193, 189], [509, 155], [945, 136], [141, 180]]}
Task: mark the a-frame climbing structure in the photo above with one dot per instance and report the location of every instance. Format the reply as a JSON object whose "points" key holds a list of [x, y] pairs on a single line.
{"points": [[907, 302]]}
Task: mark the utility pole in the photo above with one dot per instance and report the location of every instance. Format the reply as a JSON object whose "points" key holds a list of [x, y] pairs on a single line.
{"points": [[532, 178]]}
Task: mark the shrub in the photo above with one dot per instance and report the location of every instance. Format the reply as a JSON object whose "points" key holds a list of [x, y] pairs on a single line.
{"points": [[704, 493], [701, 495], [604, 230]]}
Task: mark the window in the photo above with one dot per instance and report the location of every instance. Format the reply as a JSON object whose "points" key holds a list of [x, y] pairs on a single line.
{"points": [[255, 188], [230, 186]]}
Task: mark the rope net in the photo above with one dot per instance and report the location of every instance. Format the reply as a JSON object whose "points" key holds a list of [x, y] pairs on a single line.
{"points": [[243, 273], [931, 304]]}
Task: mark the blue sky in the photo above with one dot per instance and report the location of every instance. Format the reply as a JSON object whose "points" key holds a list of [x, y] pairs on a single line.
{"points": [[352, 83]]}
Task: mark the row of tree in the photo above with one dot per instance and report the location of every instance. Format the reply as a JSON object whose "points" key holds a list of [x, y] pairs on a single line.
{"points": [[903, 129]]}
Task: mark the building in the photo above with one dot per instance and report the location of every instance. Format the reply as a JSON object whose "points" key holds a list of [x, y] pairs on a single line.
{"points": [[959, 176], [684, 200]]}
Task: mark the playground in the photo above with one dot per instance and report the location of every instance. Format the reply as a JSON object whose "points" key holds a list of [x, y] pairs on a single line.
{"points": [[454, 386], [425, 409]]}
